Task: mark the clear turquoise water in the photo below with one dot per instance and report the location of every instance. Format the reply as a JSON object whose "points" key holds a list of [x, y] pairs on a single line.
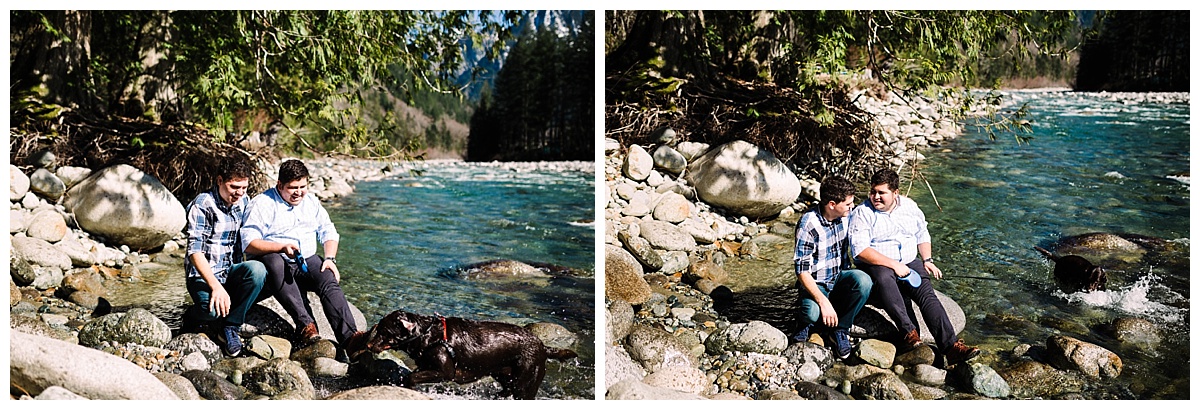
{"points": [[402, 237], [1094, 165]]}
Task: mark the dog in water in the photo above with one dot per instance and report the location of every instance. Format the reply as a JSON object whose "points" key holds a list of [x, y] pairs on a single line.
{"points": [[1075, 273], [461, 350]]}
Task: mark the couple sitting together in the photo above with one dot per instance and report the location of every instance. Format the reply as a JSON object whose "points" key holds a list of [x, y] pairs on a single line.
{"points": [[241, 251], [887, 239]]}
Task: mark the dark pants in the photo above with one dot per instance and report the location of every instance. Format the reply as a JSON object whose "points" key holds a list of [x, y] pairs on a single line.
{"points": [[293, 282], [895, 298], [244, 283], [849, 294]]}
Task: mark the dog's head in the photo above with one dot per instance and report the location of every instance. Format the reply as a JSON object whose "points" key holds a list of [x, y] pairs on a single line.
{"points": [[1096, 279], [396, 329]]}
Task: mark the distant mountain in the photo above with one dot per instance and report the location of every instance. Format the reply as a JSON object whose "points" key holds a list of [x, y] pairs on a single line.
{"points": [[562, 22]]}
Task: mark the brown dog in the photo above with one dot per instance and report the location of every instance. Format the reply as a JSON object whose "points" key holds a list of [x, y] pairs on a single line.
{"points": [[461, 350], [1075, 273]]}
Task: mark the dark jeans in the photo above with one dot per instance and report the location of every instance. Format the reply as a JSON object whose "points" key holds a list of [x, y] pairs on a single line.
{"points": [[895, 298], [292, 283], [849, 294], [244, 284]]}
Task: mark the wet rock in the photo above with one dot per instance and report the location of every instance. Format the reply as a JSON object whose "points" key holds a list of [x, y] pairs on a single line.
{"points": [[641, 250], [745, 179], [137, 326], [707, 269], [877, 353], [777, 394], [136, 210], [277, 376], [379, 393], [632, 389], [213, 387], [814, 391], [683, 378], [927, 375], [47, 225], [1073, 354], [37, 362], [85, 281], [881, 386], [179, 384], [91, 301], [638, 163], [755, 336], [1030, 379], [654, 348], [923, 392], [623, 277], [921, 355], [387, 367], [553, 335], [983, 380], [1136, 331], [672, 207], [269, 347], [18, 183]]}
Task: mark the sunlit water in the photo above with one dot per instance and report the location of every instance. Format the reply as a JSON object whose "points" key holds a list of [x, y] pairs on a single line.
{"points": [[1095, 164], [402, 239]]}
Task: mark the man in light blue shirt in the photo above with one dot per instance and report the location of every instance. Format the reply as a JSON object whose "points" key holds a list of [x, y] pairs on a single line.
{"points": [[889, 239], [282, 230]]}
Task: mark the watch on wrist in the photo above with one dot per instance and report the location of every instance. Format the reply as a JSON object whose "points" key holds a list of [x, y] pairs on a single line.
{"points": [[927, 260], [334, 260]]}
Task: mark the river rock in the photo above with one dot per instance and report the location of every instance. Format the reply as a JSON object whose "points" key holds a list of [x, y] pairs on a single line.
{"points": [[127, 206], [654, 348], [47, 225], [189, 343], [664, 235], [278, 376], [670, 160], [618, 319], [641, 250], [810, 358], [269, 347], [33, 326], [1073, 354], [699, 231], [623, 277], [923, 354], [18, 221], [877, 353], [18, 183], [379, 393], [327, 367], [814, 391], [14, 292], [211, 386], [690, 150], [632, 389], [674, 262], [72, 175], [58, 393], [777, 394], [137, 326], [78, 252], [682, 378], [47, 185], [39, 252], [755, 336], [745, 179], [1136, 331], [86, 281], [663, 135], [927, 375], [37, 362], [1031, 379], [983, 380], [269, 317], [672, 207], [872, 322], [553, 335], [881, 386], [638, 163], [321, 349], [923, 392], [180, 385]]}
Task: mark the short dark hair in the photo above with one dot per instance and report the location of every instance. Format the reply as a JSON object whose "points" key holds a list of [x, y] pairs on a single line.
{"points": [[292, 170], [234, 167], [835, 189], [886, 176]]}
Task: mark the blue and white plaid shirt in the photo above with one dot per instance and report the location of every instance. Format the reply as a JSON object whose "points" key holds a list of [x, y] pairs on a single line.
{"points": [[213, 230], [820, 247]]}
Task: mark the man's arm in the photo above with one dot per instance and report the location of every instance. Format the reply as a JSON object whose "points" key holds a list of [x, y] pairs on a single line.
{"points": [[255, 228], [330, 253], [925, 251], [874, 257], [828, 314], [218, 300]]}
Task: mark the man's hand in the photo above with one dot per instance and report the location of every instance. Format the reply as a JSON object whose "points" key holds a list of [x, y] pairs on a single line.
{"points": [[330, 265], [828, 315], [290, 250], [218, 301], [933, 270]]}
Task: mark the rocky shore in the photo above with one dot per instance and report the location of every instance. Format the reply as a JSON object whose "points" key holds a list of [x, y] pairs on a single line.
{"points": [[678, 213], [85, 245]]}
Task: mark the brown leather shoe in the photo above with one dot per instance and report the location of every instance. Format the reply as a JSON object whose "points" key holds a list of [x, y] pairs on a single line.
{"points": [[959, 352], [308, 334], [356, 343], [911, 340]]}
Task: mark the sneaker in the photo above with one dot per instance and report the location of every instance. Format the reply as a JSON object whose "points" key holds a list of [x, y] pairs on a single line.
{"points": [[231, 341], [911, 340], [802, 335], [959, 352], [308, 334], [841, 344]]}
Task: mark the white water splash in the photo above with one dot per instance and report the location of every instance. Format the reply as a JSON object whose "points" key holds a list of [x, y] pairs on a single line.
{"points": [[1133, 300]]}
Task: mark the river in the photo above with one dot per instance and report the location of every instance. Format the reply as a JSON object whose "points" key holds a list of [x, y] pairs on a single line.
{"points": [[403, 238]]}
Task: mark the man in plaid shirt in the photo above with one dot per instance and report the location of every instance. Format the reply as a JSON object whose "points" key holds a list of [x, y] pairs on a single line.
{"points": [[222, 285], [832, 293]]}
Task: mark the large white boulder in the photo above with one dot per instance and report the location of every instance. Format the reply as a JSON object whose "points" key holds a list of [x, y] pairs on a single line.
{"points": [[38, 362], [18, 183], [744, 179], [127, 206]]}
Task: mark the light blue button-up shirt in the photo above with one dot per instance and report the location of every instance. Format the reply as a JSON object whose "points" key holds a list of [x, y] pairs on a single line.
{"points": [[895, 234], [273, 219]]}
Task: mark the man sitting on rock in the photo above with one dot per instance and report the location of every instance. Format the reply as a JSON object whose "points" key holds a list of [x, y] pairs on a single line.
{"points": [[220, 283], [832, 293], [282, 231], [889, 239]]}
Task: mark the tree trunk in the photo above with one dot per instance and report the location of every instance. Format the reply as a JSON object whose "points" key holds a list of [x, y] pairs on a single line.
{"points": [[152, 93], [53, 61]]}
